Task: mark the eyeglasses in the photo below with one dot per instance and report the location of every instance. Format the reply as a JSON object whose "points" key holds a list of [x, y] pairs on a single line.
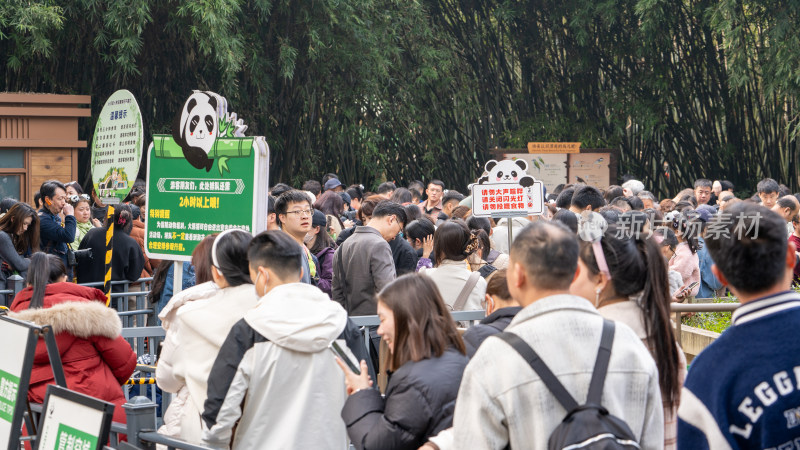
{"points": [[302, 212]]}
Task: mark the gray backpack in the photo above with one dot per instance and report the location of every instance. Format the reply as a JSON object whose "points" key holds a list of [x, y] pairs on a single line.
{"points": [[588, 426]]}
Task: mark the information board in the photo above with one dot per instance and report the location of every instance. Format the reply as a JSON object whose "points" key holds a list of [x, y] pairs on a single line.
{"points": [[590, 168], [117, 147], [205, 178], [71, 420], [16, 361], [506, 190], [550, 169]]}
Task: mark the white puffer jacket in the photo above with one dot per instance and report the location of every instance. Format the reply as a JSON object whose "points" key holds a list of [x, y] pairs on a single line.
{"points": [[197, 321]]}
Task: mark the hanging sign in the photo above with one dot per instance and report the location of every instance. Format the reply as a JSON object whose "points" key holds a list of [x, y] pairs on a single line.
{"points": [[507, 191], [117, 147], [16, 361], [204, 178], [71, 420]]}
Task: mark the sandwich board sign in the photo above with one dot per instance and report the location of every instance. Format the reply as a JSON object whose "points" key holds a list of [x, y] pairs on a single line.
{"points": [[117, 147], [71, 420], [507, 191], [204, 178], [16, 361]]}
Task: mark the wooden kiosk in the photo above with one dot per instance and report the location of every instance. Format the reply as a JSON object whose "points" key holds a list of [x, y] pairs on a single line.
{"points": [[39, 140]]}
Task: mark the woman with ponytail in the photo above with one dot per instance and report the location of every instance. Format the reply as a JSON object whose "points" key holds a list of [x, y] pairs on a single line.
{"points": [[453, 243], [96, 359], [127, 259], [625, 276], [197, 322]]}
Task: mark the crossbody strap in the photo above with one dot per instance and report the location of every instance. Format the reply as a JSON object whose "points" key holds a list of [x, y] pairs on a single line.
{"points": [[601, 364], [465, 291]]}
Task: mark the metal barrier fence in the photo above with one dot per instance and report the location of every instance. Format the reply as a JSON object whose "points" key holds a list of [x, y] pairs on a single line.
{"points": [[679, 308]]}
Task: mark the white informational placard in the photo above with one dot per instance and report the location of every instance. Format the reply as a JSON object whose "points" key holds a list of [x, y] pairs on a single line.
{"points": [[73, 420], [507, 199], [506, 190], [16, 360], [117, 147]]}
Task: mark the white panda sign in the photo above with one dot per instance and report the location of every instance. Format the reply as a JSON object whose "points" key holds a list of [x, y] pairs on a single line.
{"points": [[506, 190]]}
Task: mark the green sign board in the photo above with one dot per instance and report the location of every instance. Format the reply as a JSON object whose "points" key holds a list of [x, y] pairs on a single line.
{"points": [[204, 178], [117, 147], [9, 390], [71, 438]]}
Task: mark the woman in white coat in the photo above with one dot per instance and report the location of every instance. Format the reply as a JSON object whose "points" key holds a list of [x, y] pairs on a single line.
{"points": [[452, 245], [197, 321]]}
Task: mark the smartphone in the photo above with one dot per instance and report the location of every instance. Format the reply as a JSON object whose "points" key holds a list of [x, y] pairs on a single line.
{"points": [[343, 356], [688, 289]]}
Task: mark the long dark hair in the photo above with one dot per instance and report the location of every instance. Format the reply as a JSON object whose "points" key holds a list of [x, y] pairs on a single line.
{"points": [[43, 270], [688, 226], [159, 280], [229, 256], [323, 239], [423, 327], [12, 222], [637, 267]]}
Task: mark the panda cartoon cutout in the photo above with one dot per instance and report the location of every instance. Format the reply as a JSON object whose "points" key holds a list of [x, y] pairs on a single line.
{"points": [[507, 171], [195, 128]]}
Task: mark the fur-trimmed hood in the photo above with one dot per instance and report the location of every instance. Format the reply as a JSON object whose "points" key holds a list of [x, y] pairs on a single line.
{"points": [[80, 319]]}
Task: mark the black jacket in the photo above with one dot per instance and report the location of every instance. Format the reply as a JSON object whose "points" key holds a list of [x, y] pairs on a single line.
{"points": [[495, 323], [420, 400], [127, 260]]}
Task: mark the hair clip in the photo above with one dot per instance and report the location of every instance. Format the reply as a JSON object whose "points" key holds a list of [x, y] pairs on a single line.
{"points": [[591, 227]]}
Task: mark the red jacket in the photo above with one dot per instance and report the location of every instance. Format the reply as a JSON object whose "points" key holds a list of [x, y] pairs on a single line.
{"points": [[96, 359]]}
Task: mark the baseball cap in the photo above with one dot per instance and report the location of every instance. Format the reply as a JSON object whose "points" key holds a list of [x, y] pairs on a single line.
{"points": [[318, 219], [332, 183]]}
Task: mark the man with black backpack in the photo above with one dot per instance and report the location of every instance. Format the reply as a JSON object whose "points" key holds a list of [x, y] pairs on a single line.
{"points": [[560, 375]]}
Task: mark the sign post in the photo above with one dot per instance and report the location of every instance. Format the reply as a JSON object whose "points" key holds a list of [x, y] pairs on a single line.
{"points": [[16, 362], [117, 147], [205, 178], [507, 191], [73, 420]]}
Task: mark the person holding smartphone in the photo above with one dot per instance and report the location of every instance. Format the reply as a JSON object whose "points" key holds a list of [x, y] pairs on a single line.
{"points": [[427, 360], [53, 234]]}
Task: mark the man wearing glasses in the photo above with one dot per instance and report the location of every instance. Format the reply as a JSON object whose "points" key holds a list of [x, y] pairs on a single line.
{"points": [[294, 212], [53, 235], [433, 205]]}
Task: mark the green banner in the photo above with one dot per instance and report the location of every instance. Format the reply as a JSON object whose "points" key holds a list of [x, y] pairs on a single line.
{"points": [[185, 204], [69, 438], [9, 390]]}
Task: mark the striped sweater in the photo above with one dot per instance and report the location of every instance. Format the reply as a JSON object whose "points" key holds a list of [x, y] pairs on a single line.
{"points": [[743, 391]]}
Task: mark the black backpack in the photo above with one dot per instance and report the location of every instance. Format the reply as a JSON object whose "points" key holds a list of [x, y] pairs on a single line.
{"points": [[588, 426]]}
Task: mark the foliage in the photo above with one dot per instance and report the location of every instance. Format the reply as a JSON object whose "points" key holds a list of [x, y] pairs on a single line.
{"points": [[711, 321], [391, 89]]}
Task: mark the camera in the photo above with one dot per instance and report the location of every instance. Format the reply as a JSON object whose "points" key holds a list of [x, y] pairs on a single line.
{"points": [[73, 256]]}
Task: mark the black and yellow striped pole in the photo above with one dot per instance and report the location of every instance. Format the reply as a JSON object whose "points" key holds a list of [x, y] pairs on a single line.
{"points": [[109, 251]]}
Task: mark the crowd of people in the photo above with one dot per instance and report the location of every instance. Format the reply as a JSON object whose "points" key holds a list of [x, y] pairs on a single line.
{"points": [[261, 352]]}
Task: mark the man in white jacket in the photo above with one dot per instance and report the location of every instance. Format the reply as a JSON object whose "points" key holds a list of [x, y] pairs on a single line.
{"points": [[503, 402], [274, 373]]}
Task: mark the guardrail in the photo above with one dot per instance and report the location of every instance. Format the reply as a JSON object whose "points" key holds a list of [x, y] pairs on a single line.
{"points": [[679, 308]]}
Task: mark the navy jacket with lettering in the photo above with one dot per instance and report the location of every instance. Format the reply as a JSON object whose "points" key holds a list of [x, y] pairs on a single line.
{"points": [[743, 391]]}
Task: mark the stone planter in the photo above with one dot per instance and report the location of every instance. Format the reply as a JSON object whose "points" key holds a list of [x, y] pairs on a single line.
{"points": [[694, 340]]}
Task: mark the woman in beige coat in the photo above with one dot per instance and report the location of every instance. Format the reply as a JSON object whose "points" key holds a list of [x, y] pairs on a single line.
{"points": [[197, 321]]}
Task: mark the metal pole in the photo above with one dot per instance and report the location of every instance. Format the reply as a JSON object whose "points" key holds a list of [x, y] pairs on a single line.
{"points": [[141, 416], [177, 272], [510, 230]]}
